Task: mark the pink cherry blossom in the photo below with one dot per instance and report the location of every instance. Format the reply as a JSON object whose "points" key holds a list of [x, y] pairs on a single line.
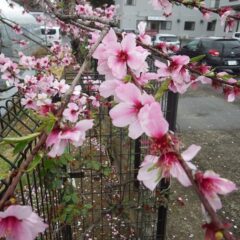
{"points": [[17, 28], [224, 13], [231, 92], [107, 88], [154, 168], [71, 113], [29, 101], [211, 231], [144, 38], [145, 77], [27, 61], [176, 71], [101, 54], [61, 86], [206, 14], [59, 138], [19, 222], [123, 55], [126, 112], [211, 184], [114, 58], [162, 4], [152, 121]]}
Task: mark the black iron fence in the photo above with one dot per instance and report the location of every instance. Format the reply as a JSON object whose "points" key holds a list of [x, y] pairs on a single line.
{"points": [[111, 203]]}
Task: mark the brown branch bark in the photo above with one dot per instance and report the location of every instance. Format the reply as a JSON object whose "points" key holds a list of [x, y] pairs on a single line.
{"points": [[213, 215], [24, 165], [203, 8]]}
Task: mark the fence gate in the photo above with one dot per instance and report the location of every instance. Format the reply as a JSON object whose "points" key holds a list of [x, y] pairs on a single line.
{"points": [[111, 203]]}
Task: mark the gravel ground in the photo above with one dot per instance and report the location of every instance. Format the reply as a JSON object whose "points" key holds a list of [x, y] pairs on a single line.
{"points": [[220, 152]]}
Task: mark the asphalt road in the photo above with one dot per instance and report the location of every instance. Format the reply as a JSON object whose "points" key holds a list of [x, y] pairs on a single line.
{"points": [[206, 108]]}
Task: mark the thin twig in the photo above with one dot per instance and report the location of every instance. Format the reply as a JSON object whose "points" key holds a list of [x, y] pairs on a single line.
{"points": [[213, 215], [26, 36], [24, 165], [203, 8]]}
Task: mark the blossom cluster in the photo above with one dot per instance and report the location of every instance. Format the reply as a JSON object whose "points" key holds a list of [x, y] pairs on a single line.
{"points": [[123, 62]]}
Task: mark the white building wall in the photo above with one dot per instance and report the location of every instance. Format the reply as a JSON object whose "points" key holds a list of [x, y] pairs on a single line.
{"points": [[129, 16]]}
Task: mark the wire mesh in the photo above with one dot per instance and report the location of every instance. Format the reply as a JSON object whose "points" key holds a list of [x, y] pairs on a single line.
{"points": [[121, 208]]}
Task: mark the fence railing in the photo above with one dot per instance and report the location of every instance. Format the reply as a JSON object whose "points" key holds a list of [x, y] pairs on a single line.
{"points": [[103, 172]]}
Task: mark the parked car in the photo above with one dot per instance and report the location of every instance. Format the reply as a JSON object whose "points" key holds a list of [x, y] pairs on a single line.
{"points": [[222, 54], [169, 39], [236, 35], [50, 35]]}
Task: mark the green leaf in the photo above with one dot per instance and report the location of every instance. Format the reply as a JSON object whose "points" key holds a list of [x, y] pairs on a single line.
{"points": [[4, 175], [163, 88], [94, 165], [28, 138], [197, 58], [37, 159], [49, 126], [107, 171], [19, 147], [127, 78]]}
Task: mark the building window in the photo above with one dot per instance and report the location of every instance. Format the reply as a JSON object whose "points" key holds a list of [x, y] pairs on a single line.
{"points": [[165, 25], [130, 2], [211, 25], [153, 26], [189, 26], [215, 3]]}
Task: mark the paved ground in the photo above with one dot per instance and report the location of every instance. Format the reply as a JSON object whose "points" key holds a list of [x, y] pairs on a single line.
{"points": [[205, 118], [207, 109]]}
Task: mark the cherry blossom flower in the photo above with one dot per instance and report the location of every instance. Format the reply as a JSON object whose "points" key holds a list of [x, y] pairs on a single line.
{"points": [[77, 90], [144, 38], [22, 43], [145, 77], [203, 80], [154, 168], [84, 9], [224, 13], [29, 101], [108, 88], [101, 54], [126, 112], [17, 29], [176, 71], [27, 61], [231, 92], [162, 4], [212, 233], [61, 86], [125, 54], [71, 113], [206, 14], [114, 57], [94, 37], [211, 184], [152, 121], [19, 222], [59, 138], [230, 24], [163, 47]]}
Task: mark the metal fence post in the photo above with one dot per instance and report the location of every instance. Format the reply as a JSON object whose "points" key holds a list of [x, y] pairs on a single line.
{"points": [[171, 116], [137, 160]]}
